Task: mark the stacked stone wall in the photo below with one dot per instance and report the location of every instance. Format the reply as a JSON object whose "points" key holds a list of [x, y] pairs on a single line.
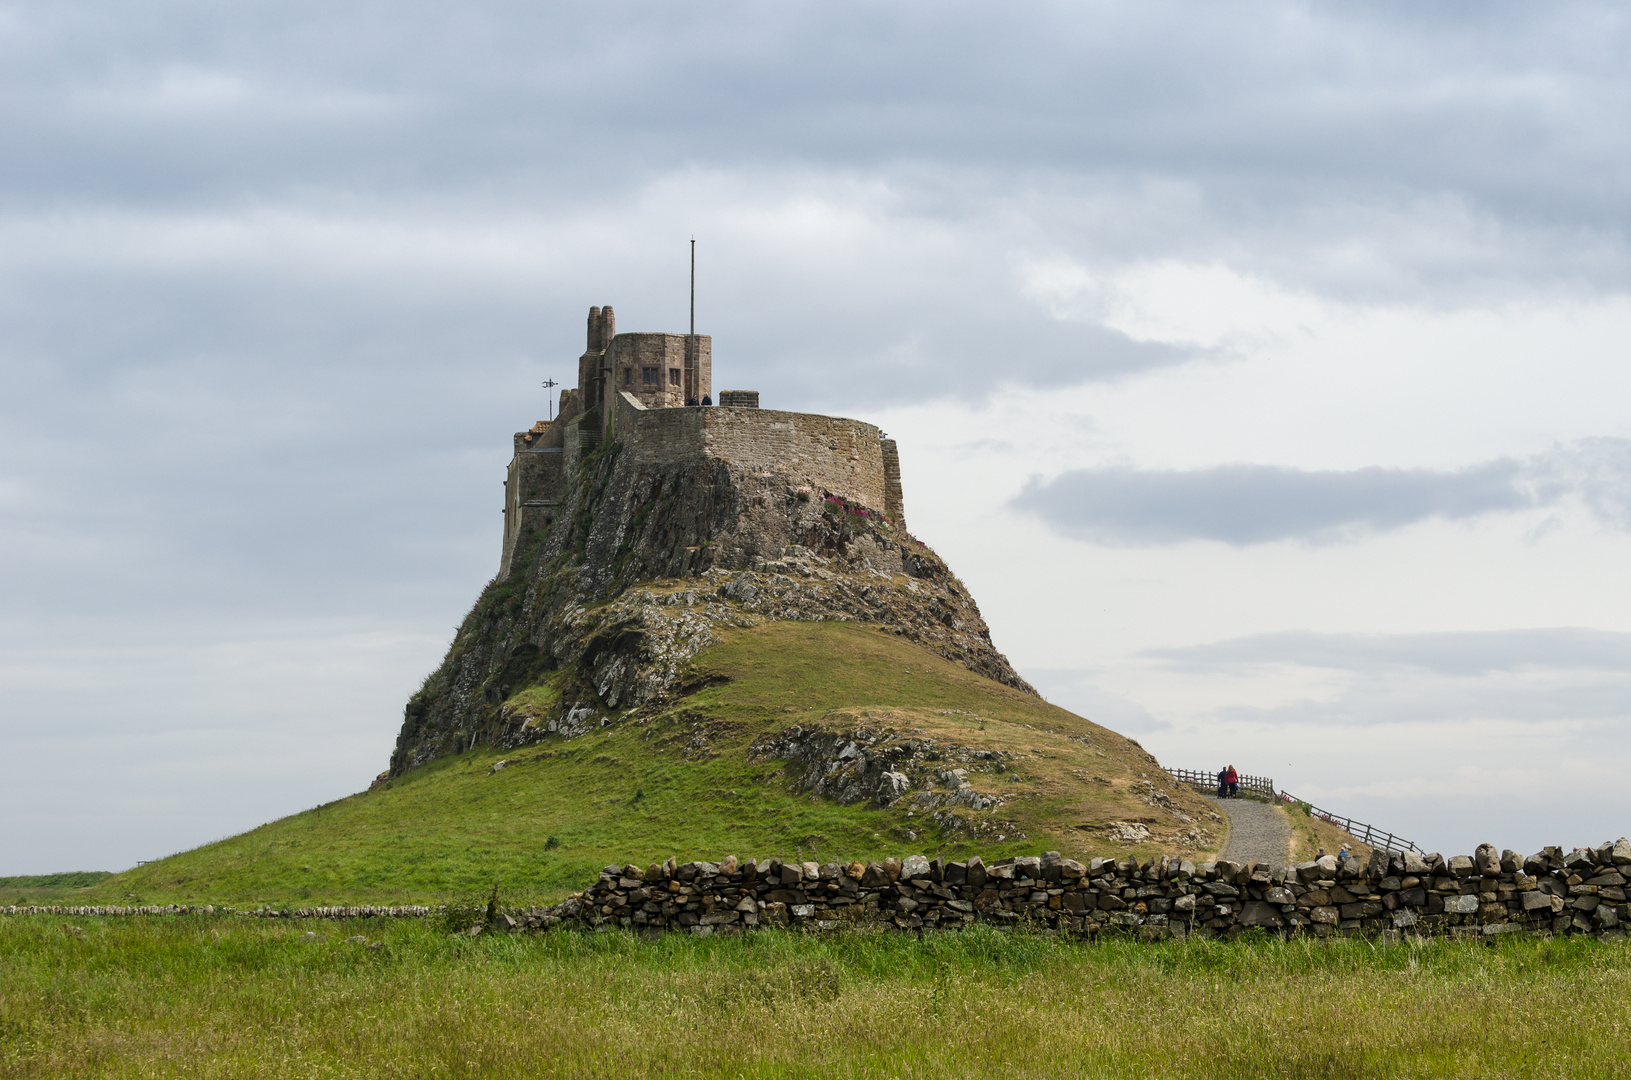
{"points": [[1483, 895], [351, 911]]}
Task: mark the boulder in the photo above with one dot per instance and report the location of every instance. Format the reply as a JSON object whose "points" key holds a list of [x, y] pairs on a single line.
{"points": [[913, 867], [1461, 905], [1462, 866], [1379, 860], [1621, 852], [1535, 900], [1579, 861], [1487, 861], [1258, 913], [976, 872]]}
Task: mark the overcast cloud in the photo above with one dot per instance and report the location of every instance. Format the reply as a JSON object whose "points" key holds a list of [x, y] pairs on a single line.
{"points": [[1256, 504], [278, 281]]}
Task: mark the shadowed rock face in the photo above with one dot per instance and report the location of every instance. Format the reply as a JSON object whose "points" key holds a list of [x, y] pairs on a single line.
{"points": [[643, 565]]}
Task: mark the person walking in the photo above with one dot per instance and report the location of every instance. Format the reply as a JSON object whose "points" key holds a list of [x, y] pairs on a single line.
{"points": [[1233, 779], [1223, 783]]}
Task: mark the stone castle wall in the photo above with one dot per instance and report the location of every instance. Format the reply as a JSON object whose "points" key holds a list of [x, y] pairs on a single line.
{"points": [[653, 368], [1483, 895], [632, 390], [828, 453]]}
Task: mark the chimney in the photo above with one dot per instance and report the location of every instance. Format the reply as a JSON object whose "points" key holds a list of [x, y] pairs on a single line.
{"points": [[594, 330], [608, 326]]}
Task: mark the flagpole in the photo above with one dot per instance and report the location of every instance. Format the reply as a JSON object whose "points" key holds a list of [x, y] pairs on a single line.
{"points": [[691, 338]]}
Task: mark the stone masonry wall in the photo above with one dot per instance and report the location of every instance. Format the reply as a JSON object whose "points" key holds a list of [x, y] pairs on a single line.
{"points": [[894, 499], [1483, 895], [630, 355], [827, 453]]}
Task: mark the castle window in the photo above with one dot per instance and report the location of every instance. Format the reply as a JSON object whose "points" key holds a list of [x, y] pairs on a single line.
{"points": [[673, 376], [648, 377], [628, 376]]}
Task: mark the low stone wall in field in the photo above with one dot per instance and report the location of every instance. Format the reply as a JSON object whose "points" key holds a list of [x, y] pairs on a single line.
{"points": [[355, 911], [1581, 892]]}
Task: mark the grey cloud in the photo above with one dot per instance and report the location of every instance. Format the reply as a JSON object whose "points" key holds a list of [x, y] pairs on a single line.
{"points": [[1448, 653], [1077, 691], [1257, 504], [1562, 675], [1297, 129]]}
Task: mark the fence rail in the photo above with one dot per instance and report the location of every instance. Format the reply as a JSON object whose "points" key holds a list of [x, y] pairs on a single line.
{"points": [[1370, 834], [1259, 786], [1262, 787]]}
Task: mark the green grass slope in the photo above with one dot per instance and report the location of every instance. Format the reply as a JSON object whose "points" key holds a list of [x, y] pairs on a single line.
{"points": [[681, 781]]}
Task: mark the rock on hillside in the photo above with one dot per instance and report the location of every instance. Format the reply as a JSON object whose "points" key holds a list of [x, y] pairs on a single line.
{"points": [[642, 564]]}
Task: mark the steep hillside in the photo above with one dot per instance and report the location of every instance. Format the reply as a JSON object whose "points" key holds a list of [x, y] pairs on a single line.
{"points": [[695, 658], [782, 746], [643, 566]]}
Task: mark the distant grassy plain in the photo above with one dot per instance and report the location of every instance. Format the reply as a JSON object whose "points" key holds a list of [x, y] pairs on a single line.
{"points": [[225, 997]]}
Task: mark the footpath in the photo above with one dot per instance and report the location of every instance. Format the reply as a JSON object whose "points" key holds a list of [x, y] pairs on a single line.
{"points": [[1258, 833]]}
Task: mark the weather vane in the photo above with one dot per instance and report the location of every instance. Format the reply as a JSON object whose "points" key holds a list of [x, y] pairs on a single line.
{"points": [[550, 384]]}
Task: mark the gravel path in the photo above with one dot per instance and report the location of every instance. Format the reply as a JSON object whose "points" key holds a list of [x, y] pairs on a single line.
{"points": [[1257, 832]]}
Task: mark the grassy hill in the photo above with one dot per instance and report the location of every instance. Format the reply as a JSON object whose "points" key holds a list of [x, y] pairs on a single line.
{"points": [[684, 780]]}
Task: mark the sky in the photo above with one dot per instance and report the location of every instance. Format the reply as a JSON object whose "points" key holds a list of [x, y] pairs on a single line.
{"points": [[1262, 368]]}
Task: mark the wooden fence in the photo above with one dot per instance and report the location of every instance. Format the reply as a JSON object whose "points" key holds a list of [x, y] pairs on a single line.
{"points": [[1262, 788], [1251, 787]]}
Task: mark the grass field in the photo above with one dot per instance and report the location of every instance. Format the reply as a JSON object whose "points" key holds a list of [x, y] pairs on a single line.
{"points": [[224, 997], [679, 781]]}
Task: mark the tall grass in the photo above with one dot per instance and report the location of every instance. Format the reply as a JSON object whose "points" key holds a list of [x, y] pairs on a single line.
{"points": [[203, 997]]}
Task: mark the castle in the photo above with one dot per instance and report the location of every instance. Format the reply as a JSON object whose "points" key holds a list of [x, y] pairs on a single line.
{"points": [[634, 389]]}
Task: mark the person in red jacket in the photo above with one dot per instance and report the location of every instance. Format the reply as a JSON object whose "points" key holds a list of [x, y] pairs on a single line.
{"points": [[1233, 779]]}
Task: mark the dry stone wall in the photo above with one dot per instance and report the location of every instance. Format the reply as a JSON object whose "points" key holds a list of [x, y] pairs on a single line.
{"points": [[349, 911], [1483, 895]]}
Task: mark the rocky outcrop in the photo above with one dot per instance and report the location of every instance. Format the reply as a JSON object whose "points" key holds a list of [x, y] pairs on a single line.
{"points": [[641, 567], [881, 766]]}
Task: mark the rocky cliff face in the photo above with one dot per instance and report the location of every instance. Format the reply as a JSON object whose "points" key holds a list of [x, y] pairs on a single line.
{"points": [[642, 567]]}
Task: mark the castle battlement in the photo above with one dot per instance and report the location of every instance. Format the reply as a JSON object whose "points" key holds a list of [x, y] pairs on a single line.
{"points": [[633, 389]]}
